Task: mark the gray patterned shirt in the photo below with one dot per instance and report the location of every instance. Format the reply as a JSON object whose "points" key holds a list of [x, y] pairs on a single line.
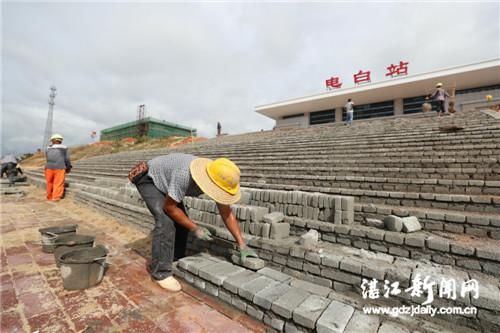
{"points": [[171, 175]]}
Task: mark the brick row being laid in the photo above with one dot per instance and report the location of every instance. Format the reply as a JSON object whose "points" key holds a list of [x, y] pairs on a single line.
{"points": [[288, 304]]}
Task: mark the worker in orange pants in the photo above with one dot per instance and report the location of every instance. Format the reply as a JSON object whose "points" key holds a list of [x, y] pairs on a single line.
{"points": [[58, 164], [55, 183]]}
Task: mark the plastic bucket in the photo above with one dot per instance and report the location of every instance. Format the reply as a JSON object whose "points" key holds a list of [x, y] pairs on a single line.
{"points": [[83, 268], [64, 243], [48, 235]]}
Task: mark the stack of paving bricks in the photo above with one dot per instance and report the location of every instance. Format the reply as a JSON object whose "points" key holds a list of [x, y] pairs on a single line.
{"points": [[287, 304], [401, 166]]}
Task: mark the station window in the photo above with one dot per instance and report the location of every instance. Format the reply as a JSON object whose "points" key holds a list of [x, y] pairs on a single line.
{"points": [[293, 116], [322, 117], [414, 104], [372, 110], [478, 89]]}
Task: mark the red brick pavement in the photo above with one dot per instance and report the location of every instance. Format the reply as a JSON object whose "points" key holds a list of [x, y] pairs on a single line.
{"points": [[33, 298]]}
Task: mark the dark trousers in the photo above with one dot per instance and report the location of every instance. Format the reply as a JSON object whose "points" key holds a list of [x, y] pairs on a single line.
{"points": [[169, 238], [440, 106]]}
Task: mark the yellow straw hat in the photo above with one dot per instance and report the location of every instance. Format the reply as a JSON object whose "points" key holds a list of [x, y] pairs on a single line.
{"points": [[219, 179]]}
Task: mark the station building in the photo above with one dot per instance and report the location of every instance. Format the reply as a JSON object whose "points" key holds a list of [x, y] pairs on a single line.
{"points": [[397, 96], [148, 127]]}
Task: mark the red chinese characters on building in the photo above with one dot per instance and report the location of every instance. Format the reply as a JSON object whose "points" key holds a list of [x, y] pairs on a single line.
{"points": [[333, 83], [394, 70], [362, 77]]}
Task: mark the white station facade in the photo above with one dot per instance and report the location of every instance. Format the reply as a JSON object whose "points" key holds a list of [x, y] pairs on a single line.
{"points": [[398, 96]]}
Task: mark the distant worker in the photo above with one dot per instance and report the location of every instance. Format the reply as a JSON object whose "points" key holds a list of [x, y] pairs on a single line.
{"points": [[349, 109], [58, 164], [219, 129], [9, 162], [11, 168], [163, 182], [440, 95]]}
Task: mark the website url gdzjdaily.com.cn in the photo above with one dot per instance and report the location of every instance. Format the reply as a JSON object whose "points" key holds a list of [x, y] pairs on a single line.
{"points": [[415, 310]]}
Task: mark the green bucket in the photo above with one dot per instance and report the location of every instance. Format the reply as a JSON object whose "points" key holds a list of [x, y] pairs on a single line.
{"points": [[83, 268], [49, 235], [67, 242]]}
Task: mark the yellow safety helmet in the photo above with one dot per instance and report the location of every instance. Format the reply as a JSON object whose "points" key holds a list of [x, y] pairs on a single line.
{"points": [[56, 137], [439, 85]]}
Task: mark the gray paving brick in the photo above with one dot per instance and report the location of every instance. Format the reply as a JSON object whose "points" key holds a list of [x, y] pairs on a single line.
{"points": [[218, 272], [478, 220], [225, 295], [394, 237], [313, 257], [194, 263], [416, 240], [455, 218], [254, 312], [375, 270], [288, 302], [274, 217], [234, 282], [249, 289], [211, 289], [351, 265], [438, 243], [341, 276], [361, 322], [295, 263], [290, 327], [411, 224], [375, 234], [376, 223], [279, 230], [492, 253], [393, 223], [239, 303], [297, 252], [274, 274], [335, 318], [347, 203], [273, 321], [308, 312], [331, 260], [310, 287], [266, 297], [462, 250]]}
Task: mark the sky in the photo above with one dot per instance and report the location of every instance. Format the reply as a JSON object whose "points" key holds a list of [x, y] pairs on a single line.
{"points": [[198, 63]]}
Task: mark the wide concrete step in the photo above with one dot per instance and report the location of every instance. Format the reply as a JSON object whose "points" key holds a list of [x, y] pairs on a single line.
{"points": [[471, 203], [311, 147], [417, 183]]}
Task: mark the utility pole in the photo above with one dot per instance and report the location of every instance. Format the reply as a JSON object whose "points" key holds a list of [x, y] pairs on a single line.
{"points": [[48, 125]]}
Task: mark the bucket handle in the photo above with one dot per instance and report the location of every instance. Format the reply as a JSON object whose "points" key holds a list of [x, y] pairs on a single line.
{"points": [[51, 234]]}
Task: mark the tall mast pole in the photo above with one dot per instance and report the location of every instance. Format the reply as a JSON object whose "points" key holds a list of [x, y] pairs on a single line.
{"points": [[48, 125]]}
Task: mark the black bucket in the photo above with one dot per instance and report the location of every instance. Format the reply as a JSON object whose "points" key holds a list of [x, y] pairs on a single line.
{"points": [[83, 268], [64, 243], [49, 235]]}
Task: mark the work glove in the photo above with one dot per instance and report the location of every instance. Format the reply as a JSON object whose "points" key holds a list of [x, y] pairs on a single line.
{"points": [[202, 234], [245, 252]]}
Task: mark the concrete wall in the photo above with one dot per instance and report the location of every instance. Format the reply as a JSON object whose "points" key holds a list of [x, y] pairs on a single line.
{"points": [[300, 121]]}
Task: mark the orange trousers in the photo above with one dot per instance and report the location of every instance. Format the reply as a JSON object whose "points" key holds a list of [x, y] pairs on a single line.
{"points": [[55, 183]]}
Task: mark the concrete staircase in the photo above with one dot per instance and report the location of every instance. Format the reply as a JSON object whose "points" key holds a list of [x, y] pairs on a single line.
{"points": [[403, 166]]}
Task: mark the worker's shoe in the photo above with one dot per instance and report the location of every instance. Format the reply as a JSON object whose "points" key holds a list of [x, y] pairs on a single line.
{"points": [[170, 284]]}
